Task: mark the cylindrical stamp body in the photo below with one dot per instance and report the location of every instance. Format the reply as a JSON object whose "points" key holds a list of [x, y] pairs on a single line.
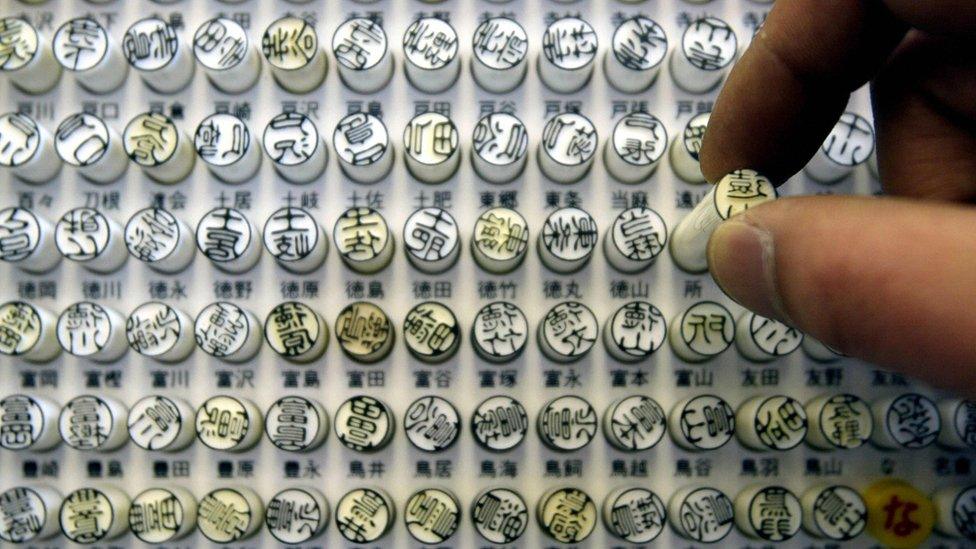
{"points": [[427, 527], [958, 424], [499, 423], [89, 330], [686, 147], [849, 144], [295, 240], [28, 423], [432, 424], [762, 339], [164, 152], [223, 141], [501, 48], [431, 52], [634, 514], [432, 149], [363, 240], [702, 423], [159, 239], [637, 51], [161, 424], [240, 502], [701, 501], [754, 503], [296, 424], [500, 240], [92, 239], [487, 522], [635, 331], [775, 422], [838, 422], [228, 332], [708, 48], [431, 332], [30, 332], [568, 332], [818, 351], [635, 149], [27, 149], [229, 239], [703, 331], [163, 515], [954, 512], [634, 423], [359, 527], [363, 55], [431, 240], [569, 49], [833, 512], [499, 332], [364, 424], [158, 331], [296, 332], [364, 332], [292, 141], [85, 142], [635, 239], [499, 147], [36, 505], [224, 50], [909, 421], [159, 54], [27, 56], [734, 194], [550, 512], [363, 147], [291, 47], [86, 49], [229, 424], [568, 147], [314, 515], [108, 505], [27, 240], [568, 239], [94, 423]]}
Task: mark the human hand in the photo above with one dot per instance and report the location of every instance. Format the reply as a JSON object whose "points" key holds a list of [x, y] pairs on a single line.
{"points": [[890, 280]]}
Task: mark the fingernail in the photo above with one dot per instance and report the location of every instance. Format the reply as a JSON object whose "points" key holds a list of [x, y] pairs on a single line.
{"points": [[741, 258]]}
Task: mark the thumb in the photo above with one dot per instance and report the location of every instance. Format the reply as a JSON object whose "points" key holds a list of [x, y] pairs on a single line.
{"points": [[886, 280]]}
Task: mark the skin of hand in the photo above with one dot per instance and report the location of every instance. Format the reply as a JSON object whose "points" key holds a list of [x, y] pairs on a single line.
{"points": [[891, 280]]}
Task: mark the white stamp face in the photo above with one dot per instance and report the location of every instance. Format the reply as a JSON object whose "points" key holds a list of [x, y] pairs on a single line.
{"points": [[222, 422], [639, 234], [430, 43], [19, 138], [290, 139], [432, 516], [851, 141], [694, 134], [772, 336], [568, 515], [220, 44], [500, 330], [362, 329], [845, 421], [839, 513], [709, 44], [221, 329], [501, 234], [292, 329], [291, 233], [430, 234], [80, 44], [293, 423], [364, 424], [500, 43], [568, 423], [290, 43], [20, 234], [87, 515], [20, 327], [222, 139], [964, 421], [500, 139], [153, 329], [707, 328], [570, 234], [964, 513], [500, 515], [360, 234], [156, 515], [155, 422], [84, 328], [636, 423], [570, 43], [639, 43], [82, 234], [21, 423], [432, 424], [150, 139], [22, 515], [150, 44], [86, 422], [223, 234], [225, 515], [638, 328], [361, 139], [569, 139], [775, 514], [364, 515], [636, 515], [640, 139], [707, 422], [431, 330], [706, 515], [499, 423], [741, 190], [570, 329], [18, 43], [430, 138], [152, 234], [294, 516], [913, 421], [780, 423], [359, 43], [81, 139]]}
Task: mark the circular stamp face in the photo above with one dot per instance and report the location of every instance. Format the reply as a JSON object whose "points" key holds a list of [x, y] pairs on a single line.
{"points": [[222, 139], [364, 515], [80, 44], [150, 44], [775, 514], [706, 515], [706, 422], [499, 515], [780, 423], [293, 329], [87, 515], [86, 422], [570, 43], [225, 515], [152, 234], [363, 329], [432, 516], [223, 234], [291, 233], [709, 44], [694, 133], [430, 43], [361, 139], [570, 329], [222, 422], [569, 139], [155, 422], [570, 234], [431, 138], [707, 328], [21, 423], [432, 423], [635, 423], [639, 43], [293, 424], [845, 421], [741, 190], [359, 43], [430, 234], [81, 139], [567, 423], [360, 234], [499, 423], [156, 515], [640, 139], [84, 328], [150, 139], [290, 43], [221, 329], [638, 328], [772, 336], [964, 421], [963, 513], [501, 234], [290, 139], [839, 513], [567, 515], [82, 234], [22, 515], [153, 329], [20, 234], [851, 141], [635, 515], [20, 327], [220, 44], [431, 330], [500, 43], [294, 516], [364, 424], [19, 137], [500, 330], [18, 43], [913, 421], [500, 139]]}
